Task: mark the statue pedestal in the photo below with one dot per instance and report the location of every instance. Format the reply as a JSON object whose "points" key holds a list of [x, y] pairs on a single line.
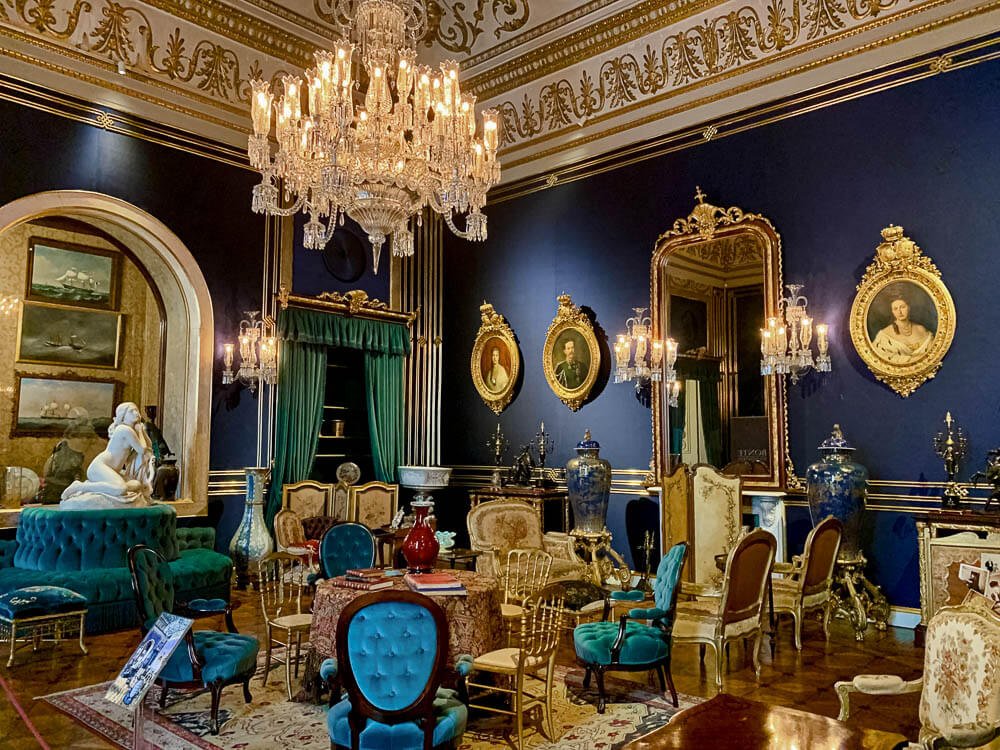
{"points": [[595, 549], [857, 598]]}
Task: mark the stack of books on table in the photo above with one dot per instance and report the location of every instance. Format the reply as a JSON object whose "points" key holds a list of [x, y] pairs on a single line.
{"points": [[435, 584], [364, 579]]}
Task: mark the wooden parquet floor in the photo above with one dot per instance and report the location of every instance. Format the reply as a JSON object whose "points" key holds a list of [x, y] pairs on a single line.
{"points": [[802, 680]]}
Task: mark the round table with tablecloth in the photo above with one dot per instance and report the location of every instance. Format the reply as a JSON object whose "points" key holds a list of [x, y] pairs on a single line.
{"points": [[475, 625]]}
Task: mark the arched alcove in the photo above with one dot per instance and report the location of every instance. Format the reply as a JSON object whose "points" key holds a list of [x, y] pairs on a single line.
{"points": [[188, 350]]}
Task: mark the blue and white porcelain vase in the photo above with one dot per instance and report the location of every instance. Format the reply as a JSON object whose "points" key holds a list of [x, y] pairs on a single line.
{"points": [[588, 480], [251, 542], [837, 486]]}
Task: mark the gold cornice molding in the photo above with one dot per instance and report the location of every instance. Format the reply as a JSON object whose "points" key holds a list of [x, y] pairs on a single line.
{"points": [[616, 86], [355, 303], [731, 125], [600, 37], [239, 26]]}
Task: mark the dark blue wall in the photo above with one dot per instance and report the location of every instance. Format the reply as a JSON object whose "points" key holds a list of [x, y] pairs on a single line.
{"points": [[923, 155], [310, 275]]}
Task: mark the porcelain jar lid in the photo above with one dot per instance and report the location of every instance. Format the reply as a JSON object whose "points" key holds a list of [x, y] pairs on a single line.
{"points": [[588, 443], [836, 443]]}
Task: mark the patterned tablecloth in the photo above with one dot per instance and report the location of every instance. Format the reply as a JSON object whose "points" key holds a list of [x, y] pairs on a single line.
{"points": [[475, 625]]}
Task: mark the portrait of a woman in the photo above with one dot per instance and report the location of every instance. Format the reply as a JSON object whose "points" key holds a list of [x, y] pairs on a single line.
{"points": [[496, 366], [902, 323]]}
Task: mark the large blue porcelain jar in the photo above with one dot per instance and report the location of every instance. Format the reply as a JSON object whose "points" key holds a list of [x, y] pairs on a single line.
{"points": [[588, 480], [837, 486]]}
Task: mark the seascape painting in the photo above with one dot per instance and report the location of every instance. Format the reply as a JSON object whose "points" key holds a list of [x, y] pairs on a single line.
{"points": [[72, 274], [57, 335], [51, 405]]}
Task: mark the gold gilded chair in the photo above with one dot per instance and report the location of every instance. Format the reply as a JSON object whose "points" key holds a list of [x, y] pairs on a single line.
{"points": [[373, 504], [497, 526], [307, 498], [808, 580], [959, 689], [524, 573], [281, 602], [735, 612], [530, 663]]}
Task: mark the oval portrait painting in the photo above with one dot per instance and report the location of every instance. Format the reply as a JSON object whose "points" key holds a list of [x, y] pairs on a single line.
{"points": [[494, 364], [902, 322], [570, 359]]}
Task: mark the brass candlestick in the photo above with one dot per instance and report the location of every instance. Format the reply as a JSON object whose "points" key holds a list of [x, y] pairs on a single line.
{"points": [[951, 445], [499, 445], [647, 553]]}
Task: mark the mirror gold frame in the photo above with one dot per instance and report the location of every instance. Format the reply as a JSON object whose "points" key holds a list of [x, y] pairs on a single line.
{"points": [[708, 222]]}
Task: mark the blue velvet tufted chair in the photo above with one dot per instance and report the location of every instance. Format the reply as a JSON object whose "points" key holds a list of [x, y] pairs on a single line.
{"points": [[391, 650], [628, 645], [211, 659], [345, 546]]}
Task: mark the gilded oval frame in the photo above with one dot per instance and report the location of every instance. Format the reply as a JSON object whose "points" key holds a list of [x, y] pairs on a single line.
{"points": [[898, 260], [494, 326], [570, 317]]}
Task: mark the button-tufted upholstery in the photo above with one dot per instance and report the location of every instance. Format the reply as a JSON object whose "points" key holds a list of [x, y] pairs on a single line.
{"points": [[344, 546], [225, 656], [450, 716], [643, 643], [85, 551]]}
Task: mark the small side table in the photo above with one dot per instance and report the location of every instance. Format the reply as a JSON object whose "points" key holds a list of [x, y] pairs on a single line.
{"points": [[459, 556], [41, 613]]}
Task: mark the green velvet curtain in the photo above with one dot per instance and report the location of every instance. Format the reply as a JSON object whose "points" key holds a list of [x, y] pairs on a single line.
{"points": [[384, 385], [305, 335], [706, 372]]}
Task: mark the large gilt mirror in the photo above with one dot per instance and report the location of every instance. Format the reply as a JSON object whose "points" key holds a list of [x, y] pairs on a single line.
{"points": [[714, 277]]}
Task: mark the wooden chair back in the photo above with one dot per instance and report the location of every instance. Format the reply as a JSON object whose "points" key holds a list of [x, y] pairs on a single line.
{"points": [[819, 557], [748, 568]]}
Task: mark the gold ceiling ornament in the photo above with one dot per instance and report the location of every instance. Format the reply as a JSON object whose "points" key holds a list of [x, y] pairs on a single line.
{"points": [[903, 317], [412, 144], [496, 360], [571, 356]]}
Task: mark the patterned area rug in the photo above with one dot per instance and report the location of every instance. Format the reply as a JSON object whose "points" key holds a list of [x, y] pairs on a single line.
{"points": [[271, 722]]}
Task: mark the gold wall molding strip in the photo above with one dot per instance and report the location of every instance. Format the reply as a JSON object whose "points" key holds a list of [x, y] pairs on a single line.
{"points": [[621, 85], [740, 122], [306, 22], [355, 303], [61, 105]]}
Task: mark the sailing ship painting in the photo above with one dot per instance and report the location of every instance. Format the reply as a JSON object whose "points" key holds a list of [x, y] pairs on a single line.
{"points": [[55, 334], [72, 274], [49, 405]]}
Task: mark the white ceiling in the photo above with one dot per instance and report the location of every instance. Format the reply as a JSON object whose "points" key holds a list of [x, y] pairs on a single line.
{"points": [[571, 80]]}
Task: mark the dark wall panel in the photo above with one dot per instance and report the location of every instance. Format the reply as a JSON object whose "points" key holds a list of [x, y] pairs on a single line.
{"points": [[923, 155]]}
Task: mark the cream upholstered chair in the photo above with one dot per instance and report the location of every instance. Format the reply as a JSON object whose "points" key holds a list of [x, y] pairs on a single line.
{"points": [[307, 498], [281, 602], [716, 522], [374, 503], [289, 535], [737, 610], [497, 526], [807, 581], [532, 661], [959, 689]]}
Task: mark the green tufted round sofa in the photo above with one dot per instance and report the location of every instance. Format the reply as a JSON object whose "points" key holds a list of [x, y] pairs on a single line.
{"points": [[86, 551]]}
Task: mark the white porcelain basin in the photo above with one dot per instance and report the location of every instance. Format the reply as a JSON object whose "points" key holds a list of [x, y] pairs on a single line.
{"points": [[424, 477]]}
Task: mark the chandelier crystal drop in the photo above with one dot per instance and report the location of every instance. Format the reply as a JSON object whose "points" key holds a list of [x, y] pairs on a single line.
{"points": [[785, 343], [258, 353], [408, 142]]}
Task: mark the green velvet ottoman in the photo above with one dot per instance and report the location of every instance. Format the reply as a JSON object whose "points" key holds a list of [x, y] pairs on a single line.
{"points": [[36, 613]]}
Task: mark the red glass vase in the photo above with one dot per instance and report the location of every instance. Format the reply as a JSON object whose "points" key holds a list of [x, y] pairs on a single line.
{"points": [[420, 548]]}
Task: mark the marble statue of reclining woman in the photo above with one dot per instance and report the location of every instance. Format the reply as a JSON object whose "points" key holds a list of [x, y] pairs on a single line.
{"points": [[121, 474]]}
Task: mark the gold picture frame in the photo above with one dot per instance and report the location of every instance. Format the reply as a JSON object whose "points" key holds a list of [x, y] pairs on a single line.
{"points": [[571, 371], [496, 361], [903, 317]]}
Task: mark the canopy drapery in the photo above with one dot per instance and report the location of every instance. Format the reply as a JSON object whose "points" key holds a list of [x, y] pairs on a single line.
{"points": [[304, 337], [706, 373]]}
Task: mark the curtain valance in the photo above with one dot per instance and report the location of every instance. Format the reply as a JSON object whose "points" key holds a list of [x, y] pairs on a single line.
{"points": [[331, 329]]}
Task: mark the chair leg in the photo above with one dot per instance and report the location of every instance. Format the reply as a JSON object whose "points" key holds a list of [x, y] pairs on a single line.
{"points": [[586, 679], [756, 653], [518, 699], [550, 734], [230, 625], [247, 697], [163, 694], [216, 688], [670, 683], [717, 649], [827, 609], [267, 657], [701, 652], [288, 663], [659, 674], [601, 695], [797, 623], [298, 652]]}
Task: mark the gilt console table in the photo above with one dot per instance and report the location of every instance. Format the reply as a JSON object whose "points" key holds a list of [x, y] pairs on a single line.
{"points": [[538, 497], [946, 540]]}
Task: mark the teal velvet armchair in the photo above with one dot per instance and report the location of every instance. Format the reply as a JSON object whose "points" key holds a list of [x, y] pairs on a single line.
{"points": [[391, 650], [210, 659], [628, 645], [345, 546]]}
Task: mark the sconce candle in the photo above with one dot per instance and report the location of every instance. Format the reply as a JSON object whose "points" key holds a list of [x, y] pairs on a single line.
{"points": [[785, 343]]}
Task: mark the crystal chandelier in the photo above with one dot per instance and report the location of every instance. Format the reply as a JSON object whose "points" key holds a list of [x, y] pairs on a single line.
{"points": [[411, 143], [785, 343], [660, 365], [258, 353]]}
